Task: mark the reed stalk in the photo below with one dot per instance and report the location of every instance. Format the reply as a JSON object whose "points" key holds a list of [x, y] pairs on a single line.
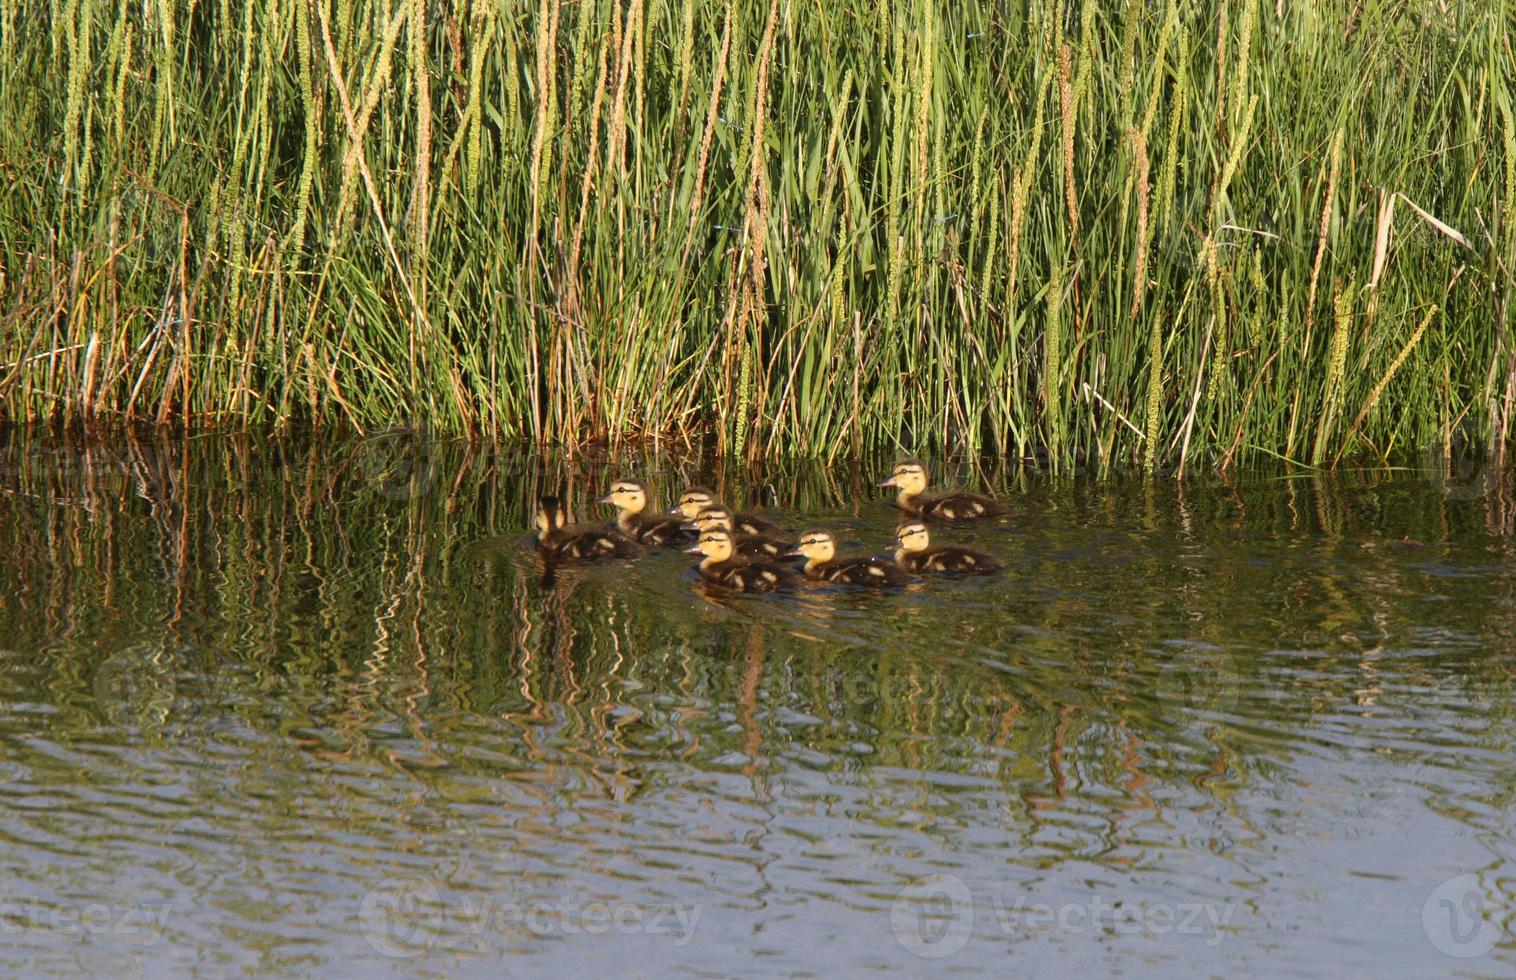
{"points": [[687, 220]]}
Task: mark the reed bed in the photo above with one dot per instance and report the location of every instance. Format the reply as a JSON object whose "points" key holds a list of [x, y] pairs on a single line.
{"points": [[1155, 234]]}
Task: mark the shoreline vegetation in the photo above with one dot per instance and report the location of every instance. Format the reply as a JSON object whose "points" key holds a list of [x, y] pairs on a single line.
{"points": [[1161, 235]]}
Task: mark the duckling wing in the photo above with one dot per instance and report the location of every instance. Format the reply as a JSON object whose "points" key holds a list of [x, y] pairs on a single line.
{"points": [[757, 526], [892, 574], [663, 531], [964, 560], [962, 506], [764, 577], [867, 572], [612, 545], [757, 546], [915, 561]]}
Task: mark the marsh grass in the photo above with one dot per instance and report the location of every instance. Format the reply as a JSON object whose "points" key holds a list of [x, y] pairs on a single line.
{"points": [[1139, 233]]}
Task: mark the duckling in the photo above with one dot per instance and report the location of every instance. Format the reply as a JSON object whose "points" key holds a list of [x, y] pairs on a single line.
{"points": [[960, 505], [819, 549], [555, 539], [914, 552], [696, 499], [718, 518], [630, 500], [723, 566]]}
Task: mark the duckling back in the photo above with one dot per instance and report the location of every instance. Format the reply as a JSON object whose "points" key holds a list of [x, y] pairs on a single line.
{"points": [[960, 505], [660, 531], [951, 559], [750, 575], [869, 573], [588, 543]]}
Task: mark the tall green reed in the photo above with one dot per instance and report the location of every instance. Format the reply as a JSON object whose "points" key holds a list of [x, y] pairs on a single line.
{"points": [[1099, 236]]}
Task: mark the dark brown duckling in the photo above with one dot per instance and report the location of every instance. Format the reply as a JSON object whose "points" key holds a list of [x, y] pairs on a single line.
{"points": [[630, 500], [696, 499], [556, 539], [821, 562], [914, 552], [910, 477], [724, 567], [718, 518]]}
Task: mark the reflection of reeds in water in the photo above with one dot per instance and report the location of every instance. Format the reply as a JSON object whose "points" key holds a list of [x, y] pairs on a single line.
{"points": [[809, 229], [371, 599]]}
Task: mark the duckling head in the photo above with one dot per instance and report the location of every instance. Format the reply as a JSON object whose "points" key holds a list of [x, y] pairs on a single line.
{"points": [[816, 546], [550, 515], [627, 495], [695, 500], [716, 545], [909, 475], [911, 536], [715, 518]]}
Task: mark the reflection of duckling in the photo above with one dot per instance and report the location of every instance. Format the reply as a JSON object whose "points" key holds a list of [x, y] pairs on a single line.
{"points": [[959, 505], [723, 566], [914, 552], [718, 518], [630, 499], [821, 562], [696, 499], [557, 540]]}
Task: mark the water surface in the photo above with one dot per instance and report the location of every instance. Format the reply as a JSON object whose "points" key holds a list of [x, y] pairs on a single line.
{"points": [[300, 706]]}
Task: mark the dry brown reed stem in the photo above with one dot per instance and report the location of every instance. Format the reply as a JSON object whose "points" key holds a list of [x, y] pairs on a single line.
{"points": [[547, 43], [1384, 381], [363, 169], [923, 128], [1334, 171], [616, 144], [758, 193], [358, 133], [1066, 109], [421, 188], [1139, 278], [587, 183], [712, 114]]}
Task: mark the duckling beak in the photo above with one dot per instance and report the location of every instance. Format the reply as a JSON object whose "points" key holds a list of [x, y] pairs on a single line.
{"points": [[888, 483], [690, 526], [609, 498], [793, 553], [675, 510], [693, 551]]}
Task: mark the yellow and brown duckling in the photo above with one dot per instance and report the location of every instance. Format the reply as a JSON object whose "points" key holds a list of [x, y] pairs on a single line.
{"points": [[556, 539], [630, 500], [723, 566], [696, 499], [821, 562], [910, 477], [719, 518], [914, 552]]}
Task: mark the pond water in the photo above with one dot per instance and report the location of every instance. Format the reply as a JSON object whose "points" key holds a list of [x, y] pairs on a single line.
{"points": [[309, 706]]}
